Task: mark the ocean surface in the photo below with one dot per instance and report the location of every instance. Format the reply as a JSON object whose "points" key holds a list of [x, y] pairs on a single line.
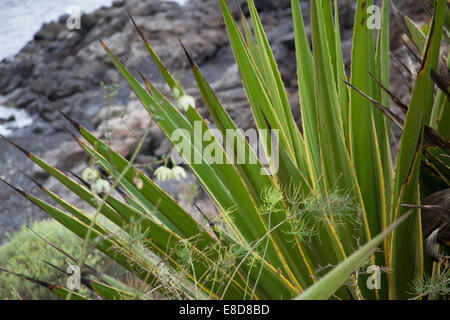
{"points": [[19, 21]]}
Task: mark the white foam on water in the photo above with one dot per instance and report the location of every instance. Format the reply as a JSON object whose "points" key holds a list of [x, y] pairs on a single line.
{"points": [[20, 120]]}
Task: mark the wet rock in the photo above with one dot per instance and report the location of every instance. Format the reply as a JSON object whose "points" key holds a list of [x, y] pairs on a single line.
{"points": [[7, 119]]}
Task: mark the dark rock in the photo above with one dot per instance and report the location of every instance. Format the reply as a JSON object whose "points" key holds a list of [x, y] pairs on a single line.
{"points": [[266, 5], [63, 18], [118, 3], [26, 99], [49, 31], [8, 119], [39, 128], [150, 8]]}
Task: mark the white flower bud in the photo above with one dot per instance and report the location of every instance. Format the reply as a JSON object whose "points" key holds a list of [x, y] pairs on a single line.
{"points": [[90, 175], [163, 173], [176, 92], [178, 172], [186, 101], [100, 186]]}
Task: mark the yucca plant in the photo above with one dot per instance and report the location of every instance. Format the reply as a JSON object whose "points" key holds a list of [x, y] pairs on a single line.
{"points": [[308, 224]]}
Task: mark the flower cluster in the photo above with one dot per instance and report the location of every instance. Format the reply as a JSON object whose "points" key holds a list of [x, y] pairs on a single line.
{"points": [[164, 173], [184, 101], [98, 185]]}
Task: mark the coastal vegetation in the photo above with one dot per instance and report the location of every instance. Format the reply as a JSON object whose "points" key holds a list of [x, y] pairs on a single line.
{"points": [[330, 213]]}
